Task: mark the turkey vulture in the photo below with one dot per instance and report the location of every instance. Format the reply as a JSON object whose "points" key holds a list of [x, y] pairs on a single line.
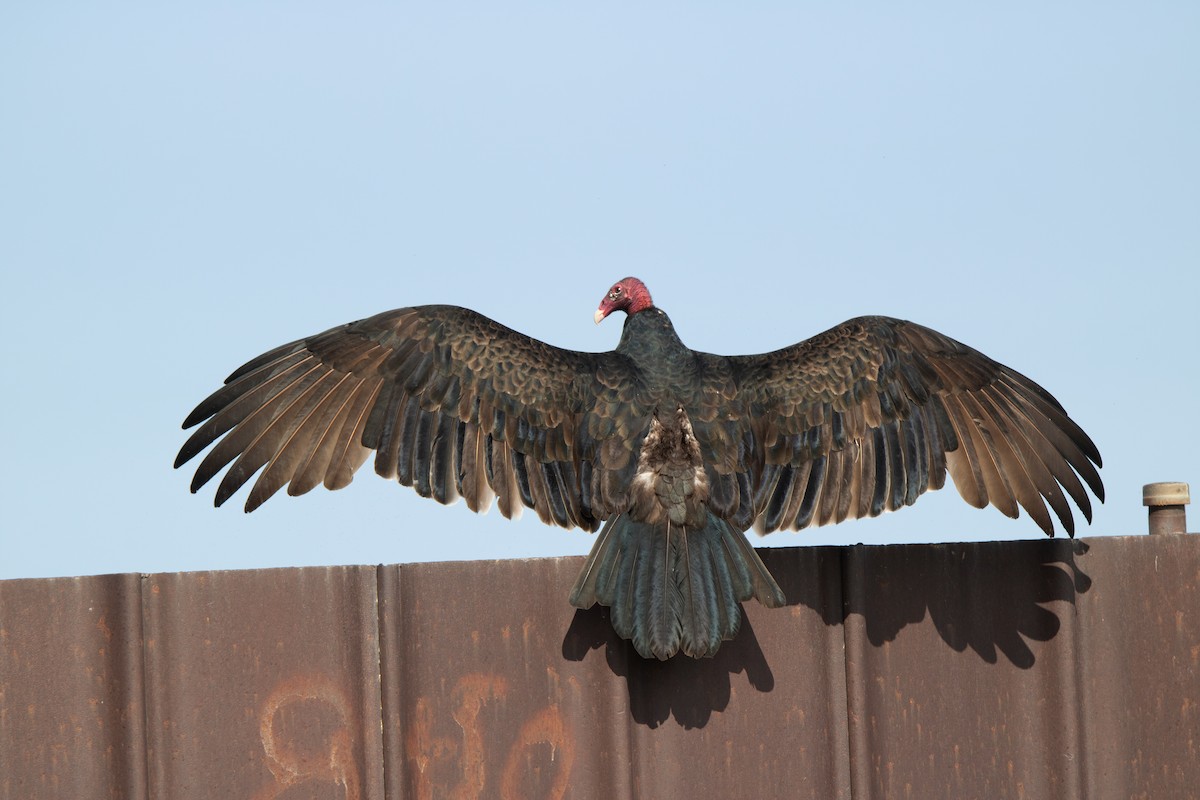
{"points": [[674, 452]]}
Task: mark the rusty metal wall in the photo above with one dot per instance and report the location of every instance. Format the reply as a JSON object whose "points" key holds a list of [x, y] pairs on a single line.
{"points": [[1024, 670]]}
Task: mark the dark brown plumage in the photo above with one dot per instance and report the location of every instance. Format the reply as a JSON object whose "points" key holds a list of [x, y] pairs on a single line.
{"points": [[677, 452]]}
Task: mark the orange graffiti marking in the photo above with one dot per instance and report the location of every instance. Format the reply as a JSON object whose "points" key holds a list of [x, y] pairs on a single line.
{"points": [[288, 762], [470, 755], [471, 692], [423, 749], [545, 727]]}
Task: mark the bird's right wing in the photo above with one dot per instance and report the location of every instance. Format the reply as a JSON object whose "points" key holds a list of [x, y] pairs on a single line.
{"points": [[869, 415], [452, 403]]}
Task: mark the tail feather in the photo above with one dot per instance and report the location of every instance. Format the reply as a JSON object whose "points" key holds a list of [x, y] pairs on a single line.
{"points": [[672, 588], [753, 579], [726, 596], [697, 605], [656, 587]]}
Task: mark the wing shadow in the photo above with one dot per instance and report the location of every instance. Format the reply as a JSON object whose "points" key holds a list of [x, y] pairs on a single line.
{"points": [[988, 597]]}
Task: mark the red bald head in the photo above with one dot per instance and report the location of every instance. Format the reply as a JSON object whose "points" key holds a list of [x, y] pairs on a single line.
{"points": [[629, 295]]}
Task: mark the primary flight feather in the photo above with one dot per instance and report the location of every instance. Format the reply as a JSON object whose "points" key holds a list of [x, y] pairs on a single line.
{"points": [[673, 451]]}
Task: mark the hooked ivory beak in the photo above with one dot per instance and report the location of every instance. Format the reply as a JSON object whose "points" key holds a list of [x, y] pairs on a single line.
{"points": [[599, 315]]}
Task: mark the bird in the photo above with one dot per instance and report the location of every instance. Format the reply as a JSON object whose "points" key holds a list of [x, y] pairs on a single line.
{"points": [[672, 454]]}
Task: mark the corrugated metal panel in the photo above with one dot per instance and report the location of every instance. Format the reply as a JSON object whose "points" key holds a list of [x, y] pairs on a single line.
{"points": [[1072, 670], [258, 682], [980, 697], [71, 680], [1029, 669], [1138, 677]]}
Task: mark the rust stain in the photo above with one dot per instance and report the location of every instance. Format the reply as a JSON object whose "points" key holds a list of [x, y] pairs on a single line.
{"points": [[287, 762], [423, 749], [545, 727], [470, 694]]}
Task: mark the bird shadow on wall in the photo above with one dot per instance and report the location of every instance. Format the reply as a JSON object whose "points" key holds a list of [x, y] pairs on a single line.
{"points": [[689, 689], [987, 597]]}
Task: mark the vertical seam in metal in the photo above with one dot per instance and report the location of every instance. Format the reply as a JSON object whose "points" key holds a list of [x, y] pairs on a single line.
{"points": [[144, 679], [843, 589], [384, 643], [1078, 647], [383, 705]]}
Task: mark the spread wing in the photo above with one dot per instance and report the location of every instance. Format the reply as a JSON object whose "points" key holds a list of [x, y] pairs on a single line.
{"points": [[450, 402], [868, 415]]}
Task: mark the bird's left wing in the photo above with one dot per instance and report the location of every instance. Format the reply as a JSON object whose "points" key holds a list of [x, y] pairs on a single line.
{"points": [[869, 415], [452, 403]]}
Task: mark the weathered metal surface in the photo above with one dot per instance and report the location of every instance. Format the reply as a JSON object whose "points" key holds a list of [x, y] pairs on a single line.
{"points": [[1028, 669], [503, 690], [963, 670], [263, 684], [1137, 636], [71, 681]]}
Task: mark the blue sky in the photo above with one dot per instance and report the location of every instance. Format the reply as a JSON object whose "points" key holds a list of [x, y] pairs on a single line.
{"points": [[184, 187]]}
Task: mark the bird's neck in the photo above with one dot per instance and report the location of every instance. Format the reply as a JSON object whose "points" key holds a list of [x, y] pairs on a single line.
{"points": [[649, 339]]}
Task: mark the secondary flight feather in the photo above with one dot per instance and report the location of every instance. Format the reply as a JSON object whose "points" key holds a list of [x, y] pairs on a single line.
{"points": [[672, 453]]}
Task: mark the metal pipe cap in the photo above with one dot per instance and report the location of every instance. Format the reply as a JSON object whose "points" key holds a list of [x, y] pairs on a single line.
{"points": [[1168, 493]]}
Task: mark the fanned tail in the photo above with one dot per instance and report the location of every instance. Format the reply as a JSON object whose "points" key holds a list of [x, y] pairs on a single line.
{"points": [[672, 588]]}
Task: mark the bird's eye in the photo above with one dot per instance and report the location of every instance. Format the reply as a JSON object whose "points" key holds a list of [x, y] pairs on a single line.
{"points": [[616, 291]]}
